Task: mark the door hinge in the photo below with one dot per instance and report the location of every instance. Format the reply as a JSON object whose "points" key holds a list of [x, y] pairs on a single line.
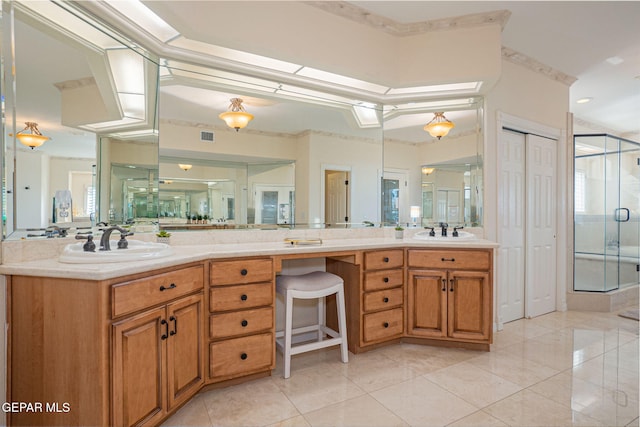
{"points": [[346, 219], [346, 182], [638, 267]]}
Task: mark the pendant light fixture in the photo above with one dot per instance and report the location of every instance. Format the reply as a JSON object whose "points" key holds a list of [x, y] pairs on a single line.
{"points": [[185, 167], [32, 139], [236, 117], [439, 126]]}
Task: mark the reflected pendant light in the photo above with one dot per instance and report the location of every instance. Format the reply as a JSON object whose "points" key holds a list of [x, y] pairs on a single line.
{"points": [[236, 117], [32, 139], [439, 126], [185, 167]]}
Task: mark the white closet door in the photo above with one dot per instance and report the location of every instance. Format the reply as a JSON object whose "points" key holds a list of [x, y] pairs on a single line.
{"points": [[540, 282], [511, 223]]}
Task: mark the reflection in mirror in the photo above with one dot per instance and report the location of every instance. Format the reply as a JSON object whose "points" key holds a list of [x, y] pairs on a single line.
{"points": [[451, 193], [79, 82], [281, 168], [409, 152]]}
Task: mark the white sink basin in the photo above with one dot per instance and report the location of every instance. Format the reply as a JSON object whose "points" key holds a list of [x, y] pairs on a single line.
{"points": [[137, 251], [462, 235]]}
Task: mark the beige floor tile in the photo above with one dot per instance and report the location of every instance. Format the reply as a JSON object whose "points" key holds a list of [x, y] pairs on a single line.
{"points": [[298, 421], [363, 411], [193, 414], [373, 370], [253, 403], [477, 419], [422, 403], [526, 328], [634, 423], [315, 388], [476, 386], [326, 359], [556, 355], [424, 359], [530, 409], [513, 367]]}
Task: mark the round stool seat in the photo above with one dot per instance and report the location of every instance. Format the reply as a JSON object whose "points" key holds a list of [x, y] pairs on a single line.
{"points": [[312, 282]]}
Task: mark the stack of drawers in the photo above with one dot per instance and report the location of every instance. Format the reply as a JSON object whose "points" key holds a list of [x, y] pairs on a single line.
{"points": [[241, 319], [382, 296]]}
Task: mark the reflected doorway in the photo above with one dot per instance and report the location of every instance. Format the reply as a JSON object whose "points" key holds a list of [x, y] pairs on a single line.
{"points": [[336, 199]]}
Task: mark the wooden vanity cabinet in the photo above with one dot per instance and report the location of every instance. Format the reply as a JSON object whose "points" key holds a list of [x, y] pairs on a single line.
{"points": [[241, 318], [157, 354], [449, 295], [94, 350], [382, 296]]}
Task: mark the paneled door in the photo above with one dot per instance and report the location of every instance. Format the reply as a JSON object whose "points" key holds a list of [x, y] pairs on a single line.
{"points": [[511, 223], [541, 226], [527, 194]]}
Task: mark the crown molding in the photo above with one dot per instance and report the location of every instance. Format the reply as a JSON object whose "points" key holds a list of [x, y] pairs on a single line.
{"points": [[362, 16], [536, 66]]}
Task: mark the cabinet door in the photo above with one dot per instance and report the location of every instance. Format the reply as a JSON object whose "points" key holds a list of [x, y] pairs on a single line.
{"points": [[139, 383], [469, 305], [185, 354], [427, 303]]}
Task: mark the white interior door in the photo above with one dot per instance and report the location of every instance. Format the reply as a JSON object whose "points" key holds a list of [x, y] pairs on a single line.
{"points": [[541, 226], [511, 223]]}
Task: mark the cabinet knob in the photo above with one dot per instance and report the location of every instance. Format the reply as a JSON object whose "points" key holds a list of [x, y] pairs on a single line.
{"points": [[385, 280], [385, 259], [244, 356], [385, 324], [243, 297], [385, 299], [244, 272], [244, 323]]}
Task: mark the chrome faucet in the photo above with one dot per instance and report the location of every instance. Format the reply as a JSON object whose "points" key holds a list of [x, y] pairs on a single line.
{"points": [[443, 226], [106, 234]]}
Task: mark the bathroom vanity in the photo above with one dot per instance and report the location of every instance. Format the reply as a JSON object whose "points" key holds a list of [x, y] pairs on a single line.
{"points": [[128, 343]]}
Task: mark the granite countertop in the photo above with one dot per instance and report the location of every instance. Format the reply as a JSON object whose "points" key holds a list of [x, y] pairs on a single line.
{"points": [[183, 254]]}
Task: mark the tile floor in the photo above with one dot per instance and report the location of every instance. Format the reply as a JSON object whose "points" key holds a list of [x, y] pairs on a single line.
{"points": [[561, 369]]}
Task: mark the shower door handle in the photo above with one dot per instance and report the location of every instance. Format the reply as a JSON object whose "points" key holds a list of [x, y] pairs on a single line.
{"points": [[621, 215]]}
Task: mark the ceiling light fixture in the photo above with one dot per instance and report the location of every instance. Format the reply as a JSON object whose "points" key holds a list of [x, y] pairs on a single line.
{"points": [[584, 100], [236, 117], [427, 170], [185, 167], [32, 139], [439, 126]]}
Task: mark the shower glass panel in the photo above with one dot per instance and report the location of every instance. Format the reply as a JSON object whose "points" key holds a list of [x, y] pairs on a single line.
{"points": [[606, 213]]}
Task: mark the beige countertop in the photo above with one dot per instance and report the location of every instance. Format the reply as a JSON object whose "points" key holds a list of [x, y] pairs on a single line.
{"points": [[182, 254]]}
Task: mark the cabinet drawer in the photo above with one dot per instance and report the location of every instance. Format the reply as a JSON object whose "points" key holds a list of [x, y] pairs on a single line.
{"points": [[383, 279], [243, 271], [238, 356], [139, 294], [383, 299], [383, 325], [466, 260], [240, 297], [376, 260], [240, 322]]}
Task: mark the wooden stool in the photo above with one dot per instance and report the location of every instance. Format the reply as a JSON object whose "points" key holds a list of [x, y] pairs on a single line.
{"points": [[315, 285]]}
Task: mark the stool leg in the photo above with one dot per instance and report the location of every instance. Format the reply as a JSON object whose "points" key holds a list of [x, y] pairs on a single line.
{"points": [[321, 317], [288, 322], [342, 324]]}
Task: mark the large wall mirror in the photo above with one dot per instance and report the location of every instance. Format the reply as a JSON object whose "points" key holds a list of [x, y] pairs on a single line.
{"points": [[149, 149], [88, 90], [307, 159], [428, 180]]}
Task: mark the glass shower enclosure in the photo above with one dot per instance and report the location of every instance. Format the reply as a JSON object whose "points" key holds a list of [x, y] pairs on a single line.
{"points": [[606, 213]]}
